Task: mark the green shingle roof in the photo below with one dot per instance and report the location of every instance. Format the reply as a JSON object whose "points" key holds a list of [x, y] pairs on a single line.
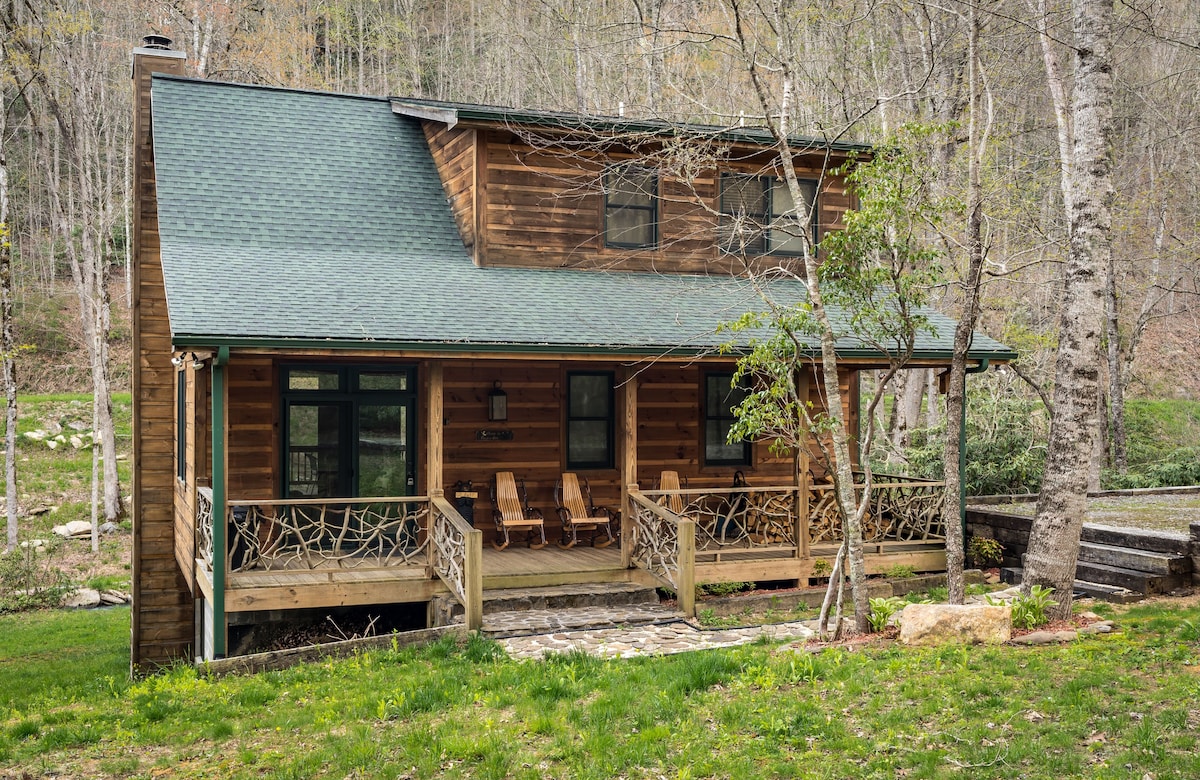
{"points": [[291, 217]]}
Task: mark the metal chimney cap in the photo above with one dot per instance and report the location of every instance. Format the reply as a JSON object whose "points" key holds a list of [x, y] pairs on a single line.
{"points": [[156, 42]]}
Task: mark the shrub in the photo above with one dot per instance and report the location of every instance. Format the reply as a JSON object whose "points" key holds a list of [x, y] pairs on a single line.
{"points": [[985, 553], [30, 580], [901, 571]]}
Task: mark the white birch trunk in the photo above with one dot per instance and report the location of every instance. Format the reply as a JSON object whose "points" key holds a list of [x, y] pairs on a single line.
{"points": [[1054, 538], [8, 346]]}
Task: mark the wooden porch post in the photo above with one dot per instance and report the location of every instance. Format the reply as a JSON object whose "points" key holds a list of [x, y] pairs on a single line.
{"points": [[687, 567], [435, 411], [220, 438], [803, 477], [474, 584], [628, 463]]}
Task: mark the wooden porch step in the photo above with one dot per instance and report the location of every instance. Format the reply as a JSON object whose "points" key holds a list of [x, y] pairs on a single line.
{"points": [[526, 622], [1135, 559], [1138, 581]]}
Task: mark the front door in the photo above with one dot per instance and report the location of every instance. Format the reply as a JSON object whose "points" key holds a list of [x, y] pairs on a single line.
{"points": [[348, 431]]}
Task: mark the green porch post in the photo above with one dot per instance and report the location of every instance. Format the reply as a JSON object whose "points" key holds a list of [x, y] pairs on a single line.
{"points": [[220, 519], [962, 449]]}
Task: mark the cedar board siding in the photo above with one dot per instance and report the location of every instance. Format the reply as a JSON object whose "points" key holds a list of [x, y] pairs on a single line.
{"points": [[162, 614], [185, 489], [253, 415], [517, 205], [669, 415], [453, 152]]}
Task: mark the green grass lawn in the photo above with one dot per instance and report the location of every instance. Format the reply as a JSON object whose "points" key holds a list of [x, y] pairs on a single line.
{"points": [[1118, 706]]}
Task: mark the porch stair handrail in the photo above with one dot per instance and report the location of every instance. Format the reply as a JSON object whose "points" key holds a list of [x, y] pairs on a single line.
{"points": [[456, 557], [664, 544], [204, 526]]}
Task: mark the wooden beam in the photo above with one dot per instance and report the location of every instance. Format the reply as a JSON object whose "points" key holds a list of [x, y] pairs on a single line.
{"points": [[629, 381], [435, 413]]}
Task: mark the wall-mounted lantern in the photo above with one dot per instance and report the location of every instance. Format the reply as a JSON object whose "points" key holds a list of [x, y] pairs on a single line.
{"points": [[497, 403]]}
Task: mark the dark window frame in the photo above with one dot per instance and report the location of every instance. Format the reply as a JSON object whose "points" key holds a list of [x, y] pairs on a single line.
{"points": [[181, 442], [723, 415], [348, 396], [615, 173], [764, 219], [608, 419]]}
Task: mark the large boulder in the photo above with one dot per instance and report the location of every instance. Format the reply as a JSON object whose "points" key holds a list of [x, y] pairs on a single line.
{"points": [[73, 529], [933, 624]]}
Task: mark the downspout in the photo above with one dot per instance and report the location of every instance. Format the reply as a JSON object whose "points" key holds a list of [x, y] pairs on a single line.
{"points": [[220, 518], [962, 449]]}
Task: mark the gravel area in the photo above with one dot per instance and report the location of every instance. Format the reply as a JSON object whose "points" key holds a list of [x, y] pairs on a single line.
{"points": [[1151, 511]]}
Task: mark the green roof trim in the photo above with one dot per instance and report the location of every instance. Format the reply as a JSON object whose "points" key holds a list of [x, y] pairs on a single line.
{"points": [[451, 113], [293, 219]]}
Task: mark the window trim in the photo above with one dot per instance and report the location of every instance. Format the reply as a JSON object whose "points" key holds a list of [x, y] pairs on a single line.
{"points": [[608, 419], [747, 458], [765, 218], [181, 425], [652, 209], [349, 396]]}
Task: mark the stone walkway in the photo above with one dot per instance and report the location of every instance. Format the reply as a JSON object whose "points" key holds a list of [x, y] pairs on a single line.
{"points": [[663, 638]]}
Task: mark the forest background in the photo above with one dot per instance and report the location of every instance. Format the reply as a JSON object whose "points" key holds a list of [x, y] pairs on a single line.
{"points": [[868, 68]]}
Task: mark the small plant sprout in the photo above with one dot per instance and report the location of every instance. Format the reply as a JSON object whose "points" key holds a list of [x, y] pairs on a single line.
{"points": [[882, 610]]}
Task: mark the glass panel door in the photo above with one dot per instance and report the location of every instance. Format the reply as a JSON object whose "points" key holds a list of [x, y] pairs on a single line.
{"points": [[314, 458], [385, 465]]}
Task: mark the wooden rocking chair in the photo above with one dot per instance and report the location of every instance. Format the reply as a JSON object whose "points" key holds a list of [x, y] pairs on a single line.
{"points": [[669, 480], [580, 515], [512, 511]]}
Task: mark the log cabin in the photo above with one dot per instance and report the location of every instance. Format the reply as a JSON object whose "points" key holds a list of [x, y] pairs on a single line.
{"points": [[351, 313]]}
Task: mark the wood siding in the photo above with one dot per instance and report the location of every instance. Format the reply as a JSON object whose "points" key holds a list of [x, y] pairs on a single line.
{"points": [[454, 153], [254, 417], [163, 608], [541, 204]]}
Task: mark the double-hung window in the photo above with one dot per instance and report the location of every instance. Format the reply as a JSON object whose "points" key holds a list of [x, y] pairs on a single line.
{"points": [[589, 420], [721, 397], [758, 216], [630, 207]]}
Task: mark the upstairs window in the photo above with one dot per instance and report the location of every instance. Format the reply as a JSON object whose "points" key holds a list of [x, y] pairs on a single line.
{"points": [[721, 397], [630, 207], [759, 218]]}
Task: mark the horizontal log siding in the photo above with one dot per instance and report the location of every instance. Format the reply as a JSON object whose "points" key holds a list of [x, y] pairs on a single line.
{"points": [[162, 620], [453, 152], [253, 441], [185, 489], [517, 204]]}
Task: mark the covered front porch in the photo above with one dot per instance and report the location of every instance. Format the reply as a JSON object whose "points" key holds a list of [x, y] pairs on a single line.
{"points": [[304, 553], [280, 516]]}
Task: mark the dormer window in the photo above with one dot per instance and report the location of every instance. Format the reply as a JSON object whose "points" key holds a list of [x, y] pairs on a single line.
{"points": [[759, 218], [630, 207]]}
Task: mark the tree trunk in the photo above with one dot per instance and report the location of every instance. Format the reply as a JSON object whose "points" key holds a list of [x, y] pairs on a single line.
{"points": [[956, 398], [1116, 383], [1054, 538], [8, 345]]}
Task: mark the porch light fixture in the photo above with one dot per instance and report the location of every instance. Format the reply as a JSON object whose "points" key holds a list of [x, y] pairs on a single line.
{"points": [[497, 403]]}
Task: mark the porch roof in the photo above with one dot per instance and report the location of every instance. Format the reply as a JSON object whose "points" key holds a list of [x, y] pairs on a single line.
{"points": [[293, 218]]}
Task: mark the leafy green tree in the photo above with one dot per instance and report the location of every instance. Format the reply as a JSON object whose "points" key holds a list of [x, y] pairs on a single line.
{"points": [[868, 289]]}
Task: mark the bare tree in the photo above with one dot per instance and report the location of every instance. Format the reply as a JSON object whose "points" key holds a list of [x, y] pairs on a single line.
{"points": [[8, 346]]}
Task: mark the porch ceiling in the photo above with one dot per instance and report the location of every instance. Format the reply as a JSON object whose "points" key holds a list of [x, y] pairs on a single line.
{"points": [[294, 219]]}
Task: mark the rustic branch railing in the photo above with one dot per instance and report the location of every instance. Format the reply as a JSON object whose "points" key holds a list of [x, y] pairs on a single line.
{"points": [[740, 517], [456, 557], [204, 525], [664, 544], [902, 510], [321, 533]]}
